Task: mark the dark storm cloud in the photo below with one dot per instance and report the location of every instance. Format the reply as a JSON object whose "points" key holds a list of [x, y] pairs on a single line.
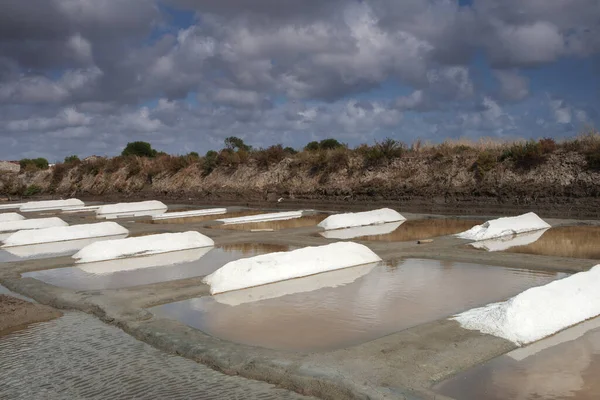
{"points": [[87, 75]]}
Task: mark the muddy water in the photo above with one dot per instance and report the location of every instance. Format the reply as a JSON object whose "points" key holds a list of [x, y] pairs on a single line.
{"points": [[347, 307], [566, 241], [301, 222], [563, 367], [151, 269], [78, 357], [406, 230], [202, 218]]}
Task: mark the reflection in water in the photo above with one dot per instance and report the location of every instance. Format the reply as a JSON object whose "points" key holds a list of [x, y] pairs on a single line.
{"points": [[566, 241], [425, 229], [47, 250], [370, 230], [311, 316], [201, 218], [558, 370], [79, 357], [506, 242], [309, 220], [149, 269]]}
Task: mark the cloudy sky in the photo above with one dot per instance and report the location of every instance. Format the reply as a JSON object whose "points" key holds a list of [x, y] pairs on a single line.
{"points": [[87, 76]]}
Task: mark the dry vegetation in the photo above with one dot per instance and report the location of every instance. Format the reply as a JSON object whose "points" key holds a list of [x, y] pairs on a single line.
{"points": [[386, 169]]}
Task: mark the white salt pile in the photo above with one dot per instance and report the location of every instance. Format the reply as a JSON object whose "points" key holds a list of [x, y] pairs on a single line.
{"points": [[37, 223], [275, 267], [280, 216], [541, 311], [349, 220], [49, 205], [188, 214], [505, 226], [64, 233], [142, 246], [137, 209], [7, 217]]}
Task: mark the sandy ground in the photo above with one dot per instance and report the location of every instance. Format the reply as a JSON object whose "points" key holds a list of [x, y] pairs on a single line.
{"points": [[16, 313]]}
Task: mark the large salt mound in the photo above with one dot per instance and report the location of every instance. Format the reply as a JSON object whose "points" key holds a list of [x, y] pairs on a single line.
{"points": [[7, 217], [142, 246], [505, 226], [280, 216], [275, 267], [64, 233], [131, 209], [37, 223], [51, 205], [192, 213], [311, 283], [541, 311], [350, 220], [10, 206]]}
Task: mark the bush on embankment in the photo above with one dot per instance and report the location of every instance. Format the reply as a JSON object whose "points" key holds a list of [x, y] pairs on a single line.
{"points": [[387, 169]]}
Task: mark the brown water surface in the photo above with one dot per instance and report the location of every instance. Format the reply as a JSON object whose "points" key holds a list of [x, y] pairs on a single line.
{"points": [[150, 269], [309, 220], [546, 370], [346, 307], [404, 231], [565, 241]]}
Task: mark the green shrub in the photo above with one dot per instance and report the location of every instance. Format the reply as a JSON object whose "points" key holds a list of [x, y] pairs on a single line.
{"points": [[382, 152], [72, 160], [486, 161], [140, 149], [210, 162], [525, 155], [32, 190], [312, 146], [269, 156], [193, 154], [329, 144], [235, 143], [290, 150], [33, 164]]}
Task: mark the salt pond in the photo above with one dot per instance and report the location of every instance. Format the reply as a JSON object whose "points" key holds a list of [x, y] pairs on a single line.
{"points": [[150, 269], [403, 231], [343, 308], [565, 366]]}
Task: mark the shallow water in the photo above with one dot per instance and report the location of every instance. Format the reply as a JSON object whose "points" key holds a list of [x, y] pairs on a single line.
{"points": [[566, 366], [78, 357], [150, 269], [405, 230], [191, 220], [565, 241], [48, 250], [309, 220], [351, 306]]}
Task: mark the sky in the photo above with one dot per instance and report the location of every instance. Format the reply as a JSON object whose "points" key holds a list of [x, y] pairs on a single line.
{"points": [[87, 76]]}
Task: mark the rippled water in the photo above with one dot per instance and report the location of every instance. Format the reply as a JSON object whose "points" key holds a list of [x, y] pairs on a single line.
{"points": [[403, 231], [310, 220], [565, 367], [347, 307], [151, 269], [79, 357]]}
